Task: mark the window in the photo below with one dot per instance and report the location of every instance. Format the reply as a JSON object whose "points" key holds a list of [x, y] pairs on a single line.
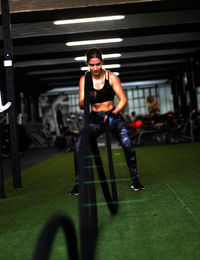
{"points": [[73, 103], [198, 97], [136, 97]]}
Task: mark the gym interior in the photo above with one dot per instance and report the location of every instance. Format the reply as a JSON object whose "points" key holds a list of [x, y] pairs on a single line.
{"points": [[154, 49]]}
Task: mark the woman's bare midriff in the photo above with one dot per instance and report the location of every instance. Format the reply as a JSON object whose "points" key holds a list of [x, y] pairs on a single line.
{"points": [[103, 107]]}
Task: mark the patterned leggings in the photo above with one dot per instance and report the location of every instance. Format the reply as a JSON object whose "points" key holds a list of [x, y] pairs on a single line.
{"points": [[119, 131]]}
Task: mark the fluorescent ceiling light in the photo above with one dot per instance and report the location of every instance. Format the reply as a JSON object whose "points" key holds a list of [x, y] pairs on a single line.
{"points": [[105, 56], [89, 20], [111, 66], [144, 83], [99, 41]]}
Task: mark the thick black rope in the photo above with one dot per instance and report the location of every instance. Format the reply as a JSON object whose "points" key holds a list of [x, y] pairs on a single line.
{"points": [[88, 213], [87, 198], [46, 238], [88, 83], [93, 142], [113, 207], [110, 162]]}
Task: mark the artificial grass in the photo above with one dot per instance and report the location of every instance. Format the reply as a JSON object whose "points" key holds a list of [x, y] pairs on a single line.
{"points": [[161, 222]]}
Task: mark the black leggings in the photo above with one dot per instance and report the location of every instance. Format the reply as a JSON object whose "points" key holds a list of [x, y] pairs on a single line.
{"points": [[119, 131]]}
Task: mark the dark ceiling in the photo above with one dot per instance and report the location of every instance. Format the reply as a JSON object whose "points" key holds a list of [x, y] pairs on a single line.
{"points": [[159, 38]]}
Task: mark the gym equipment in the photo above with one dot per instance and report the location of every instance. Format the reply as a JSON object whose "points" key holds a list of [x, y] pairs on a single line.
{"points": [[69, 133], [170, 128]]}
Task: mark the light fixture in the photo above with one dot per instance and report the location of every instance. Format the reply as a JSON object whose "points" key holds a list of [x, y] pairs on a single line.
{"points": [[104, 56], [7, 63], [89, 20], [99, 41], [110, 66]]}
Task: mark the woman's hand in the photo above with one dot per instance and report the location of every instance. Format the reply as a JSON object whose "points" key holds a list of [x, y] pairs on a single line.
{"points": [[110, 116], [105, 118]]}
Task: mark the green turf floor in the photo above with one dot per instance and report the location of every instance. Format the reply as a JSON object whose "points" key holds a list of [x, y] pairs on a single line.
{"points": [[161, 222]]}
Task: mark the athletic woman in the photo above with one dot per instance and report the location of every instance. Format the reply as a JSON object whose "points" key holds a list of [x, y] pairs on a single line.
{"points": [[102, 92]]}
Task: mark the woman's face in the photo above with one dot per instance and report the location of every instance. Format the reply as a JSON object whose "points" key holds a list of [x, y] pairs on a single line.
{"points": [[95, 66]]}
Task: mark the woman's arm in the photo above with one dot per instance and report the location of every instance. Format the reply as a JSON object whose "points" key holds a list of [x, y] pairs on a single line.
{"points": [[81, 92], [117, 87]]}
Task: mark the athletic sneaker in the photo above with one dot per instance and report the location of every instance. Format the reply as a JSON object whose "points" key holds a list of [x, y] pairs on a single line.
{"points": [[135, 185], [75, 190]]}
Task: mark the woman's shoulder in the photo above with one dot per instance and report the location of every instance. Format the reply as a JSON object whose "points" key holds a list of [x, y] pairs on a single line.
{"points": [[82, 78], [110, 73], [111, 76]]}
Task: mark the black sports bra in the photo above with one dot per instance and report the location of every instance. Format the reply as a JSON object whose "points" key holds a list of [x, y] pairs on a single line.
{"points": [[102, 95]]}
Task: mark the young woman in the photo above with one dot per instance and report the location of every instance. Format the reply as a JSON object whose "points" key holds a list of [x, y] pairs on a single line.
{"points": [[105, 86]]}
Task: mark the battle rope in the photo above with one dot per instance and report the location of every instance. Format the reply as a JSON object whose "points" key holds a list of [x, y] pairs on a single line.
{"points": [[88, 214], [87, 198], [88, 83], [45, 241], [110, 161]]}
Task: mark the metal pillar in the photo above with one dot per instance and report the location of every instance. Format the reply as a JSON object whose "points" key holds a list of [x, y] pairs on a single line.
{"points": [[10, 94], [36, 108], [28, 107], [174, 89], [182, 91], [2, 190], [192, 86]]}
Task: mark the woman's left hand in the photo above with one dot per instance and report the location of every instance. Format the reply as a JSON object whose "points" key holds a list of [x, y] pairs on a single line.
{"points": [[105, 117]]}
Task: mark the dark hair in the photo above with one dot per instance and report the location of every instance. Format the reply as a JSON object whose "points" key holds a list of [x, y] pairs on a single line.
{"points": [[93, 53], [150, 99]]}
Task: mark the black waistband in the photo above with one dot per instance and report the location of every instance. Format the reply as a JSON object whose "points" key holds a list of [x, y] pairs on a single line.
{"points": [[103, 112]]}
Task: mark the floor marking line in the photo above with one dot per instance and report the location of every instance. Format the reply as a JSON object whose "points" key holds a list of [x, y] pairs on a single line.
{"points": [[121, 164], [107, 180], [112, 202], [116, 154], [182, 203], [92, 156], [92, 166]]}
